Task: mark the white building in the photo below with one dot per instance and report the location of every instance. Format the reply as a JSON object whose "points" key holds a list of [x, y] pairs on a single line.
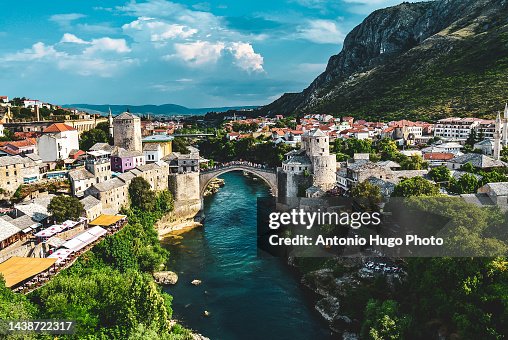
{"points": [[456, 128], [2, 130], [57, 141], [152, 152], [29, 103]]}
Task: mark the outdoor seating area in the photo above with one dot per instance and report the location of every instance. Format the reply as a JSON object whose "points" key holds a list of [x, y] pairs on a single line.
{"points": [[55, 229], [27, 274]]}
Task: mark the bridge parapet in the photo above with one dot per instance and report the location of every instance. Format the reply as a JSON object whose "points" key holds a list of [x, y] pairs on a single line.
{"points": [[266, 174]]}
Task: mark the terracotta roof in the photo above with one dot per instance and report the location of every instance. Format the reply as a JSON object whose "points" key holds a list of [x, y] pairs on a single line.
{"points": [[438, 156], [58, 127]]}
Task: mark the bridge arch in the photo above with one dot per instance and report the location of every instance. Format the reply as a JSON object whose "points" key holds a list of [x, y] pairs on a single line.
{"points": [[268, 176]]}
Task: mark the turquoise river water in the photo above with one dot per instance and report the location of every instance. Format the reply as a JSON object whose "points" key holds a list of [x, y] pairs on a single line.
{"points": [[248, 297]]}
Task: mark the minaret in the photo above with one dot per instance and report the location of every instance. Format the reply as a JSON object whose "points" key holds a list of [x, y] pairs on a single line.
{"points": [[110, 121], [505, 126], [497, 138]]}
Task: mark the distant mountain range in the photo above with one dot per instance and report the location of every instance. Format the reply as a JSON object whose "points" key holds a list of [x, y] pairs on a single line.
{"points": [[424, 60], [158, 110]]}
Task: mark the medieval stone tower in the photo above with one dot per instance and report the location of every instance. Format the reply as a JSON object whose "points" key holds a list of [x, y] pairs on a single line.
{"points": [[324, 165], [127, 132], [310, 171]]}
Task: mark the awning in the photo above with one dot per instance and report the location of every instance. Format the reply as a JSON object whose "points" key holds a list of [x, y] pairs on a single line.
{"points": [[69, 224], [74, 244], [48, 232], [61, 254], [18, 269], [97, 231], [86, 237], [107, 220]]}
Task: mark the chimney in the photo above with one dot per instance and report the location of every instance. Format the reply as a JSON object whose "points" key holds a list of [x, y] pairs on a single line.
{"points": [[37, 112]]}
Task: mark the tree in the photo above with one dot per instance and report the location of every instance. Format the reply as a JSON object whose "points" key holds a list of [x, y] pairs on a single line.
{"points": [[64, 208], [387, 148], [90, 137], [165, 201], [468, 167], [180, 145], [368, 194], [440, 174], [466, 184], [416, 186], [141, 195], [414, 162], [472, 139], [383, 321]]}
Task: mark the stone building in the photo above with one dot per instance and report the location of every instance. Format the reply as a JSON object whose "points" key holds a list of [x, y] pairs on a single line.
{"points": [[113, 194], [127, 132], [17, 170], [97, 169], [312, 163]]}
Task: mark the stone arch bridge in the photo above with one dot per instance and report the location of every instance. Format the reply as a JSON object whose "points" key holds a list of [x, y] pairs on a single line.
{"points": [[267, 175]]}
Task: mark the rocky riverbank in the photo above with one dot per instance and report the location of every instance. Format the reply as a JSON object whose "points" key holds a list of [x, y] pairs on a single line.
{"points": [[342, 286], [214, 186]]}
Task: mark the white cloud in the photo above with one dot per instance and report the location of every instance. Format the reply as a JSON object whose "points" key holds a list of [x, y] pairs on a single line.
{"points": [[145, 28], [321, 31], [65, 20], [199, 52], [107, 44], [71, 38], [246, 58], [368, 6], [84, 63], [38, 51]]}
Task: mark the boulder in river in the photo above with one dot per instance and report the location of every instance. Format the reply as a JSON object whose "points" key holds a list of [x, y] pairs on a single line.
{"points": [[165, 277], [196, 282]]}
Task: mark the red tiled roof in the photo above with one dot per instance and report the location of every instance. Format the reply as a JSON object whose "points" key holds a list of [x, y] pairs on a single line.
{"points": [[58, 127], [438, 156]]}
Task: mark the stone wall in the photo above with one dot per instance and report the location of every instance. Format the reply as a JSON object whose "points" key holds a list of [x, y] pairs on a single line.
{"points": [[186, 192]]}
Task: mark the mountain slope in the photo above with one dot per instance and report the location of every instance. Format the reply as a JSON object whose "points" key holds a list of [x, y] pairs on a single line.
{"points": [[422, 60]]}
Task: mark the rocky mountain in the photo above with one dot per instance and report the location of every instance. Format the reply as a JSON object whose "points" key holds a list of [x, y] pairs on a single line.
{"points": [[423, 60]]}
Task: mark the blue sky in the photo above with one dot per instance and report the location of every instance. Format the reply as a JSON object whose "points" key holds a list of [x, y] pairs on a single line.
{"points": [[192, 53]]}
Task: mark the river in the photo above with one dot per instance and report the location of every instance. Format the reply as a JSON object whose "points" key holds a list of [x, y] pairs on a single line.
{"points": [[248, 297]]}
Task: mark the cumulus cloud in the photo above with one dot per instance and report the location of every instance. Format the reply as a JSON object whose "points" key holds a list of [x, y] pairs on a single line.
{"points": [[38, 51], [107, 44], [145, 28], [86, 63], [322, 32], [71, 38], [246, 58], [198, 53]]}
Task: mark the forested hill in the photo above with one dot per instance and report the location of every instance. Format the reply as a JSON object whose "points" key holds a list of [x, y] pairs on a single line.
{"points": [[422, 60]]}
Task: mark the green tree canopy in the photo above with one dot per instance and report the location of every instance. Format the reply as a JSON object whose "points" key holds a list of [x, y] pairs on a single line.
{"points": [[416, 186], [141, 195], [90, 137], [64, 208], [440, 174], [368, 195]]}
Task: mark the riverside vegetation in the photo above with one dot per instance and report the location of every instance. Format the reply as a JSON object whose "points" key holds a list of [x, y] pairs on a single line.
{"points": [[446, 297], [110, 291]]}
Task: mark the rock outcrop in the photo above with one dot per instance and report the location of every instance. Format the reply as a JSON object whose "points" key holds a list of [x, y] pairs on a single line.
{"points": [[166, 277]]}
